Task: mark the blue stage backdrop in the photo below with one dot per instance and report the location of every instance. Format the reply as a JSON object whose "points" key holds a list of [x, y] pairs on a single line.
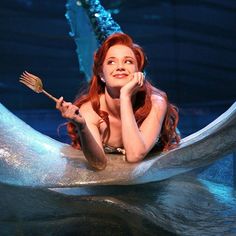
{"points": [[190, 46]]}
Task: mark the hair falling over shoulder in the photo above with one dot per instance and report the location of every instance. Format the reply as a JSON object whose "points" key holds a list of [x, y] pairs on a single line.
{"points": [[169, 138]]}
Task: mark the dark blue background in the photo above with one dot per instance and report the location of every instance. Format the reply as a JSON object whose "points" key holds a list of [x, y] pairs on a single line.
{"points": [[190, 46]]}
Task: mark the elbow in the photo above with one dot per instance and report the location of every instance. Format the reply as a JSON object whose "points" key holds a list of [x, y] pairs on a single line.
{"points": [[135, 157], [99, 165]]}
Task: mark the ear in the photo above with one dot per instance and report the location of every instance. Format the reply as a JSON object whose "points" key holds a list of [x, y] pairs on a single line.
{"points": [[102, 79]]}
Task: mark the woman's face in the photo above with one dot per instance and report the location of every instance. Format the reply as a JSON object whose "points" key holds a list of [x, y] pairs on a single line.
{"points": [[119, 65]]}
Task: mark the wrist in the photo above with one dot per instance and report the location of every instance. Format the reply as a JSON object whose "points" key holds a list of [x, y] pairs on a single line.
{"points": [[124, 94], [81, 125]]}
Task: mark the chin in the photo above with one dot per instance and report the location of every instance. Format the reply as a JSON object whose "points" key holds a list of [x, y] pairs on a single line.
{"points": [[120, 83]]}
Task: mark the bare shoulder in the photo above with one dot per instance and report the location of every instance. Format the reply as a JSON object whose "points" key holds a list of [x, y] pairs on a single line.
{"points": [[159, 100], [87, 106], [86, 110]]}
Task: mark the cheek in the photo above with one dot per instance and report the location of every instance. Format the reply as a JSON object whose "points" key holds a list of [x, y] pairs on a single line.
{"points": [[134, 68], [105, 72], [108, 70]]}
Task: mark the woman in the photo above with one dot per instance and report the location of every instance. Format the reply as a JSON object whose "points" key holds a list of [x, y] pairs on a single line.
{"points": [[121, 110]]}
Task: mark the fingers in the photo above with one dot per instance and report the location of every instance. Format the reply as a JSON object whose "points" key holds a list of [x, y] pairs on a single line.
{"points": [[67, 109], [134, 85], [139, 78], [70, 112], [59, 103]]}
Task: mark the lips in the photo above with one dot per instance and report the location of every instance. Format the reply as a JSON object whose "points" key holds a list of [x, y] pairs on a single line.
{"points": [[120, 76]]}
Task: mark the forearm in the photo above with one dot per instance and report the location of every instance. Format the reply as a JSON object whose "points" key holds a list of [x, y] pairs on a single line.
{"points": [[132, 138], [91, 149]]}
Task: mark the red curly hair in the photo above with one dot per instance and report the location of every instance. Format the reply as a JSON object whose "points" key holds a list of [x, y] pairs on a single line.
{"points": [[169, 138]]}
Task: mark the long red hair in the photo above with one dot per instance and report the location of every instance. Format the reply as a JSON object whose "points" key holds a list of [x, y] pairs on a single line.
{"points": [[169, 138]]}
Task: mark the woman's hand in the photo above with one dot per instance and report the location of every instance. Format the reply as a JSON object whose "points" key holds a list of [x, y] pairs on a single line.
{"points": [[134, 85], [69, 111]]}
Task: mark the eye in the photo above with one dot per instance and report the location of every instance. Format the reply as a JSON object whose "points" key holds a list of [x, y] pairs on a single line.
{"points": [[129, 61], [110, 62]]}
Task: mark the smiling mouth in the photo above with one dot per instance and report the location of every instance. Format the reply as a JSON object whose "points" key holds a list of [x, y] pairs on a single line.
{"points": [[120, 76]]}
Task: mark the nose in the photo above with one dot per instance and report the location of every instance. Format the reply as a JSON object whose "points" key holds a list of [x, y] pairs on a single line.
{"points": [[120, 66]]}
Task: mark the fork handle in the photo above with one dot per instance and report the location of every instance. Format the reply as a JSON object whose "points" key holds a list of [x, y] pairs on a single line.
{"points": [[50, 96]]}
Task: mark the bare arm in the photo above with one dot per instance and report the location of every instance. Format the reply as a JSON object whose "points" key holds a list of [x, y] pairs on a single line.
{"points": [[88, 132], [138, 141], [92, 150]]}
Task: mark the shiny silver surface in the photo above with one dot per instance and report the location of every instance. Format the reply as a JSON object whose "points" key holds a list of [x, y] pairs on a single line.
{"points": [[119, 204], [29, 158], [182, 205]]}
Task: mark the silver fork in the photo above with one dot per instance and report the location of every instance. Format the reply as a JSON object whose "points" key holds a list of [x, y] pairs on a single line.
{"points": [[35, 83]]}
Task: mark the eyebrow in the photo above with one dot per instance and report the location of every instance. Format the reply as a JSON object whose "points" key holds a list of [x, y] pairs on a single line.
{"points": [[126, 57]]}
